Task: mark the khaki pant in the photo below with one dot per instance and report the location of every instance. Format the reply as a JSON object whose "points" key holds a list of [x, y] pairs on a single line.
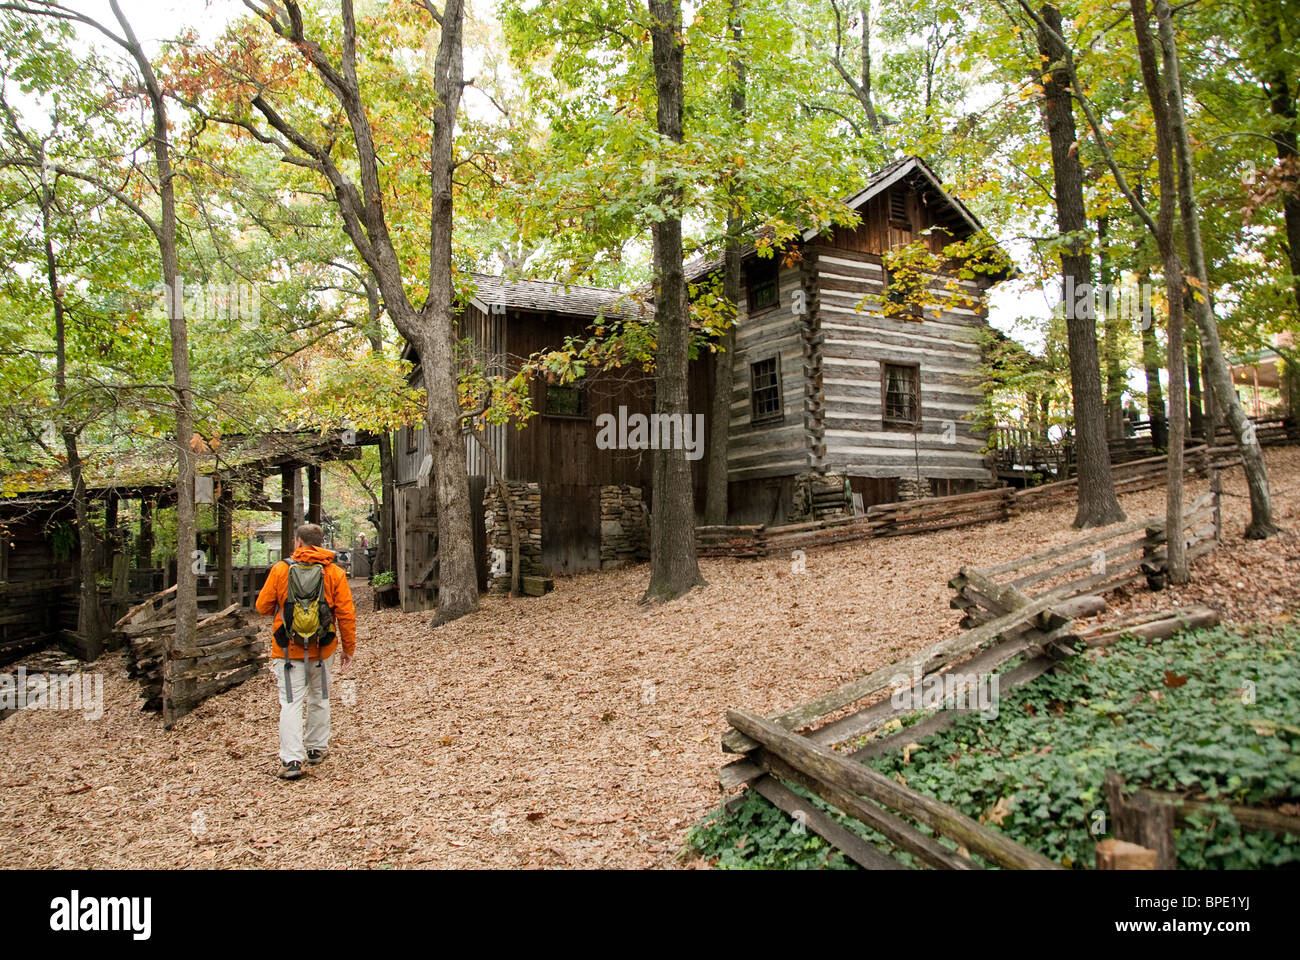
{"points": [[306, 683]]}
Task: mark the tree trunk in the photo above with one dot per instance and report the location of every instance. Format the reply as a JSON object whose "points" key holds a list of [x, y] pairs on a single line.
{"points": [[1151, 366], [187, 604], [673, 566], [1160, 98], [90, 622], [868, 104], [1112, 324], [1195, 415], [1282, 104], [1098, 505], [1226, 404], [457, 574], [715, 501], [430, 328], [387, 497]]}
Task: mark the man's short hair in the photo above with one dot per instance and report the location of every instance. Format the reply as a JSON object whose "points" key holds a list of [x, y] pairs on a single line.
{"points": [[310, 534]]}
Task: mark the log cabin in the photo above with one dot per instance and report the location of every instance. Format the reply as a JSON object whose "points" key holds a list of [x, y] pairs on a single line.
{"points": [[835, 387]]}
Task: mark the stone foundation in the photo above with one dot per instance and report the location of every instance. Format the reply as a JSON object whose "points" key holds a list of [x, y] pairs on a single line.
{"points": [[909, 488], [820, 496], [624, 536], [527, 501]]}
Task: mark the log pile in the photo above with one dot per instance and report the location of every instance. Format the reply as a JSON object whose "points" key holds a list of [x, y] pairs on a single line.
{"points": [[225, 653], [1004, 624]]}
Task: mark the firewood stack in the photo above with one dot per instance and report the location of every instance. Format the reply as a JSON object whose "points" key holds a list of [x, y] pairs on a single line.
{"points": [[226, 652]]}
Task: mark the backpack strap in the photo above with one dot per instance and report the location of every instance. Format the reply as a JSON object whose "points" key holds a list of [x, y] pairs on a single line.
{"points": [[286, 615]]}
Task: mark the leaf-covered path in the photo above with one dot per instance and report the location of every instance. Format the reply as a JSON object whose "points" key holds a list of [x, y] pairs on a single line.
{"points": [[572, 730]]}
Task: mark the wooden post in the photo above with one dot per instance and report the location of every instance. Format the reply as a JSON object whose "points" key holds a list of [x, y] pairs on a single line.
{"points": [[1143, 820], [121, 567], [144, 544], [225, 506], [1216, 487], [290, 484], [1115, 854], [314, 507]]}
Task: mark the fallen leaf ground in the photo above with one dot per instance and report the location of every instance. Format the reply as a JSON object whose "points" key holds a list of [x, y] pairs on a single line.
{"points": [[573, 730]]}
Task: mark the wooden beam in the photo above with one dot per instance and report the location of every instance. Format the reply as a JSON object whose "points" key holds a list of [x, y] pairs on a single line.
{"points": [[835, 833], [225, 553], [830, 768], [144, 544], [900, 833], [315, 506], [290, 483]]}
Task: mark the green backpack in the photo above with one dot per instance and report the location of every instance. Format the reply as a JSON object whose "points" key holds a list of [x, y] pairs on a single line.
{"points": [[308, 618]]}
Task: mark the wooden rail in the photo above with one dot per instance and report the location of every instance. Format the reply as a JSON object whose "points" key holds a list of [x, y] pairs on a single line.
{"points": [[1003, 623], [932, 514], [225, 653]]}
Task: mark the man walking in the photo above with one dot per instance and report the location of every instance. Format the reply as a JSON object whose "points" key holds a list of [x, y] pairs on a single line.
{"points": [[312, 593]]}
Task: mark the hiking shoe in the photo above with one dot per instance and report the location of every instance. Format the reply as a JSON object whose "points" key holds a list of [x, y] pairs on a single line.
{"points": [[290, 771], [316, 756]]}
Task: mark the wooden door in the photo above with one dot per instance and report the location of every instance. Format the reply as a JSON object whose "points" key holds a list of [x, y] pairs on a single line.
{"points": [[417, 548]]}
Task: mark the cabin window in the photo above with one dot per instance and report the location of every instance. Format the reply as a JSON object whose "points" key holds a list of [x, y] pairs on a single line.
{"points": [[764, 284], [565, 400], [901, 392], [765, 391], [409, 439], [898, 218]]}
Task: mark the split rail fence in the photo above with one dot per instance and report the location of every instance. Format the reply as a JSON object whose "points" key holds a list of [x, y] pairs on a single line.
{"points": [[226, 652], [1029, 609], [941, 513]]}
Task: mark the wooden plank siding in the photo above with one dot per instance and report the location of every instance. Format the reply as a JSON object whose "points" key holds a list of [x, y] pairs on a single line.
{"points": [[859, 339], [489, 336], [830, 340], [778, 447]]}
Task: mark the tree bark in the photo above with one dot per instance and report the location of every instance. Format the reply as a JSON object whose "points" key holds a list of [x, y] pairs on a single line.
{"points": [[1112, 323], [90, 622], [1160, 97], [715, 500], [187, 604], [674, 569], [1286, 141], [1151, 366], [1226, 404], [1098, 505], [430, 327], [1195, 415]]}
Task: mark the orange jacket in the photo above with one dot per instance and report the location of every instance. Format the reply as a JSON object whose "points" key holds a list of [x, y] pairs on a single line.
{"points": [[337, 594]]}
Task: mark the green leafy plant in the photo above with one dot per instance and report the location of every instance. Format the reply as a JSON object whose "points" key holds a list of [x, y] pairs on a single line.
{"points": [[383, 579], [1210, 712]]}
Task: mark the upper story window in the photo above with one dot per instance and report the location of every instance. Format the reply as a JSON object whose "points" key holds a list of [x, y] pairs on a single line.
{"points": [[900, 390], [764, 283], [765, 391], [565, 400]]}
